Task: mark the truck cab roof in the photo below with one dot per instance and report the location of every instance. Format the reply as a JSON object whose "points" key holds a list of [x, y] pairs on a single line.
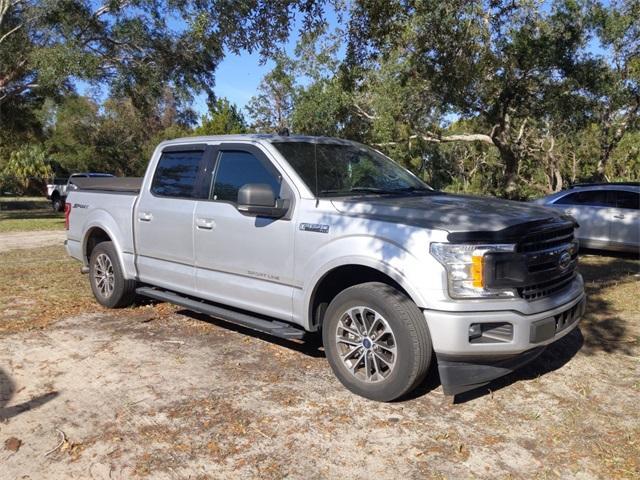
{"points": [[265, 137]]}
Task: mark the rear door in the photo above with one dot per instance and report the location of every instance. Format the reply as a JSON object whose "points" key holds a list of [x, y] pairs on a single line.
{"points": [[625, 218], [244, 260], [164, 218]]}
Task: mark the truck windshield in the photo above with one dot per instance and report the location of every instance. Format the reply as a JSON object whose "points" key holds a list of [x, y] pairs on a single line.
{"points": [[348, 169]]}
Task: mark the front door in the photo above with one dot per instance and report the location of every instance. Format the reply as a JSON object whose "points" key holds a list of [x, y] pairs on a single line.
{"points": [[242, 260], [625, 218], [592, 211]]}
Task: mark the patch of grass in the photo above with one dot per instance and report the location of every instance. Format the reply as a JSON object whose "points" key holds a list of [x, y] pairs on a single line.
{"points": [[27, 214], [4, 199], [40, 286], [30, 220]]}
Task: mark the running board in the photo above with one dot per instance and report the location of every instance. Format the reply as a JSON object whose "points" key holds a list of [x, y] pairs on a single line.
{"points": [[272, 327]]}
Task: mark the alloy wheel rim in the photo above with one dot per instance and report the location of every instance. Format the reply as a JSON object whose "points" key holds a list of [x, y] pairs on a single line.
{"points": [[366, 344], [103, 275]]}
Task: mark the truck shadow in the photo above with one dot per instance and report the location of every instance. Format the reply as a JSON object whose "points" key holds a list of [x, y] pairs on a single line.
{"points": [[601, 330], [7, 391], [554, 357], [311, 345]]}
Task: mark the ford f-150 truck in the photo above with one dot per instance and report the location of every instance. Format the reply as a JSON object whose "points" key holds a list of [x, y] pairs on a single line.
{"points": [[295, 234]]}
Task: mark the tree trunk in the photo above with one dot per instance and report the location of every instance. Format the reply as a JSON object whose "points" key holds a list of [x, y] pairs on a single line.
{"points": [[510, 178]]}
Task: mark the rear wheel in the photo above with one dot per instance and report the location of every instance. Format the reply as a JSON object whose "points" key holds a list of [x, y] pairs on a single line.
{"points": [[57, 204], [108, 284], [376, 341]]}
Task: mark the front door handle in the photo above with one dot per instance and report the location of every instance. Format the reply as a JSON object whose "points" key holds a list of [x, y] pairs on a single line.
{"points": [[205, 223], [145, 216], [618, 216]]}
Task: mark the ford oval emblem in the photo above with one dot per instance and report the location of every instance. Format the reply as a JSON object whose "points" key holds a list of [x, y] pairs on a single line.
{"points": [[565, 260]]}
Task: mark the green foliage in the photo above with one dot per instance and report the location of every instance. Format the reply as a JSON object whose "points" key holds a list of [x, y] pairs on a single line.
{"points": [[223, 118], [505, 98], [136, 48], [319, 109], [73, 133], [26, 170], [271, 108]]}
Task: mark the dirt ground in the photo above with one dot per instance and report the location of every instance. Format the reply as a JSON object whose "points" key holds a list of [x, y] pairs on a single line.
{"points": [[26, 240], [158, 392]]}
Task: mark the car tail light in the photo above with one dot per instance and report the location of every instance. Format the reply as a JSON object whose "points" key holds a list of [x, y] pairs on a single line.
{"points": [[67, 214]]}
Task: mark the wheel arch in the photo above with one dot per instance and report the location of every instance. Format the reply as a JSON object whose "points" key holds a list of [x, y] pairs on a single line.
{"points": [[96, 234], [337, 277]]}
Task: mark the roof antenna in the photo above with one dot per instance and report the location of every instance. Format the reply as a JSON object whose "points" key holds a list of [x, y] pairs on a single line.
{"points": [[283, 132]]}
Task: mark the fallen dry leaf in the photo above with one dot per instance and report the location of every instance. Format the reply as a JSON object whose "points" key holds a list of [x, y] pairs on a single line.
{"points": [[12, 444]]}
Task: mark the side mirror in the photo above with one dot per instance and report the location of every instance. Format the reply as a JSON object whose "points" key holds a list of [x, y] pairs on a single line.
{"points": [[259, 199]]}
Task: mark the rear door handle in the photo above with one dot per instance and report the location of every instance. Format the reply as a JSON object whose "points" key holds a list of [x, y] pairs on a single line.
{"points": [[145, 216], [205, 223]]}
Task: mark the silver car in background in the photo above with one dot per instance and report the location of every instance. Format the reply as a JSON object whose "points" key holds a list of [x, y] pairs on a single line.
{"points": [[608, 214]]}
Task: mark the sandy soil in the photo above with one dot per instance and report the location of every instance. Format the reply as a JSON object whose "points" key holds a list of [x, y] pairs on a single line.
{"points": [[24, 240], [134, 394]]}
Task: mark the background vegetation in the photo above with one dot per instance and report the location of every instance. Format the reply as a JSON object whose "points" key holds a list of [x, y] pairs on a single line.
{"points": [[516, 99]]}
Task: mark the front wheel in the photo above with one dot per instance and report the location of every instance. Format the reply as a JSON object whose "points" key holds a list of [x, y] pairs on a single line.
{"points": [[108, 283], [376, 341]]}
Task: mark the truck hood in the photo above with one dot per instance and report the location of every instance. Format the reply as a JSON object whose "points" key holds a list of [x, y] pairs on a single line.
{"points": [[451, 213]]}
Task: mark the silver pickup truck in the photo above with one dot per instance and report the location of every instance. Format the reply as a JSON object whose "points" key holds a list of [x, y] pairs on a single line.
{"points": [[294, 234]]}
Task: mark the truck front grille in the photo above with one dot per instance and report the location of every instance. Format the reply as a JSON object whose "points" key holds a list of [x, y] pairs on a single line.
{"points": [[540, 290], [546, 253]]}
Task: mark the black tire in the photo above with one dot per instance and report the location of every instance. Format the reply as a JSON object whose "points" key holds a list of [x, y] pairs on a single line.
{"points": [[410, 334], [123, 291], [57, 204]]}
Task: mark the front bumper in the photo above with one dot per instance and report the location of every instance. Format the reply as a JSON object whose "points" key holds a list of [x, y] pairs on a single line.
{"points": [[466, 362]]}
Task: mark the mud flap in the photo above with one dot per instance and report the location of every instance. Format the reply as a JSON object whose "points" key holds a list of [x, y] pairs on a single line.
{"points": [[461, 374]]}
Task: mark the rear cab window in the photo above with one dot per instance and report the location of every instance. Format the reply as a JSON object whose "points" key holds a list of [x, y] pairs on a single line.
{"points": [[177, 174]]}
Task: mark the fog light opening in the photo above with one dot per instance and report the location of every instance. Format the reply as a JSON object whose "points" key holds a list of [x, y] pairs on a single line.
{"points": [[493, 332], [475, 331]]}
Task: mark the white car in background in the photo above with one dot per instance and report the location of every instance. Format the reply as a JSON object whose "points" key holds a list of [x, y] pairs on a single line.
{"points": [[58, 190], [608, 214]]}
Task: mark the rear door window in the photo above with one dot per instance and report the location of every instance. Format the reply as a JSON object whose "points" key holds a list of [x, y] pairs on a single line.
{"points": [[590, 198], [177, 174]]}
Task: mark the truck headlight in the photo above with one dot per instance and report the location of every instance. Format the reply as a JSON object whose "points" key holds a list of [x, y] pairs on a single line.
{"points": [[465, 265]]}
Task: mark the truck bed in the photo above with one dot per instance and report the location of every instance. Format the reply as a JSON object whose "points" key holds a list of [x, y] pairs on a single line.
{"points": [[130, 185], [108, 206]]}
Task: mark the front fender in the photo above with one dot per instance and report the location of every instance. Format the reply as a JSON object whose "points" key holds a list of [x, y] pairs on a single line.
{"points": [[409, 270]]}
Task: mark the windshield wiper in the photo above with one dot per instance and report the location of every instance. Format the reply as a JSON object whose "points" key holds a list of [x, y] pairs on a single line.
{"points": [[358, 190], [413, 190], [378, 191]]}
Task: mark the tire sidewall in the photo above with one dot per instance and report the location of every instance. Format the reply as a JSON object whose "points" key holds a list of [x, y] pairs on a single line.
{"points": [[396, 384], [57, 204], [107, 249]]}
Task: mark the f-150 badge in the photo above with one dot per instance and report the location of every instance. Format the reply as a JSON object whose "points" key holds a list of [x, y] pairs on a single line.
{"points": [[314, 227]]}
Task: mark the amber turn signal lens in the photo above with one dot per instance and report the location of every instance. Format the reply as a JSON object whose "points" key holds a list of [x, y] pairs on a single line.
{"points": [[476, 270]]}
